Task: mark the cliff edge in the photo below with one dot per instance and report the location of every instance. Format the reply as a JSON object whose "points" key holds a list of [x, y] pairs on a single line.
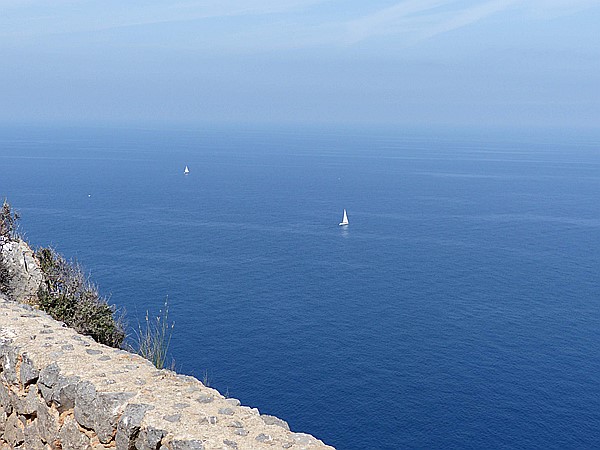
{"points": [[61, 390]]}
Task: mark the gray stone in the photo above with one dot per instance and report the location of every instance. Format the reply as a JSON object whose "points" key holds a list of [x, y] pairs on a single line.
{"points": [[47, 422], [303, 438], [235, 424], [230, 444], [33, 440], [106, 414], [46, 393], [232, 402], [187, 445], [13, 432], [272, 420], [49, 375], [264, 438], [27, 405], [173, 418], [91, 351], [8, 361], [149, 438], [128, 427], [71, 437], [5, 399], [241, 432], [226, 411], [7, 336], [104, 358], [205, 398], [212, 420], [85, 399], [3, 417], [181, 405], [64, 392], [28, 373], [68, 347]]}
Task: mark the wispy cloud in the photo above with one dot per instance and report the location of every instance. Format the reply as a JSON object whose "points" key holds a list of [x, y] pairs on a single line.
{"points": [[416, 20], [43, 17], [272, 23], [466, 17]]}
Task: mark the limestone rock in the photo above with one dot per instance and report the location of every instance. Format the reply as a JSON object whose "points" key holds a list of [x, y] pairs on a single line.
{"points": [[84, 404], [47, 422], [26, 405], [129, 425], [187, 445], [108, 407], [28, 373], [33, 440], [71, 437], [272, 420], [26, 275], [149, 438], [14, 433], [8, 362], [64, 392]]}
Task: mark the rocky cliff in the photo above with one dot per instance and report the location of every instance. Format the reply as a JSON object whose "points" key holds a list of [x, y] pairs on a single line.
{"points": [[24, 271]]}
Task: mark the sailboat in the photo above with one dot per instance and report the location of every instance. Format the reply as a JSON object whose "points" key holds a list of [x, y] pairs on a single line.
{"points": [[186, 170], [344, 219]]}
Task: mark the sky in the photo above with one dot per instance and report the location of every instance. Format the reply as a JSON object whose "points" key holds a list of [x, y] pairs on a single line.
{"points": [[411, 62]]}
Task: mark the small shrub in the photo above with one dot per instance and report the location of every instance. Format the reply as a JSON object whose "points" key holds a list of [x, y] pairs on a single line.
{"points": [[8, 222], [8, 227], [153, 340], [69, 296], [4, 276]]}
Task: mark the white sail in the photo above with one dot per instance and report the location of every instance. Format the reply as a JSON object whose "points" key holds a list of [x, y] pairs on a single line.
{"points": [[186, 171], [344, 219]]}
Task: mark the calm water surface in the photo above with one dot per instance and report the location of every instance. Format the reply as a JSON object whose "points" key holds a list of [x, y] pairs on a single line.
{"points": [[460, 308]]}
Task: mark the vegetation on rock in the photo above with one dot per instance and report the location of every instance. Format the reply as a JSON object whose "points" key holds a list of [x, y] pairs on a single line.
{"points": [[152, 341], [8, 232], [69, 296], [4, 277], [8, 222]]}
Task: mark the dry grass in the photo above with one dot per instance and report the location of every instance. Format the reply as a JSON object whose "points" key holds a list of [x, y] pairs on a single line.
{"points": [[153, 338]]}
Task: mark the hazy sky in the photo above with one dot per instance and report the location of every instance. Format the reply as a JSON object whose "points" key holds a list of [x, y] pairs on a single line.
{"points": [[411, 62]]}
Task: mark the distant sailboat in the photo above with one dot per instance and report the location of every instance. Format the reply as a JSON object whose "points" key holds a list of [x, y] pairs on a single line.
{"points": [[186, 170], [344, 219]]}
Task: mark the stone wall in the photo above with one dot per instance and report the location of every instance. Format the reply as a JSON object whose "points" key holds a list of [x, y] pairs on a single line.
{"points": [[62, 390]]}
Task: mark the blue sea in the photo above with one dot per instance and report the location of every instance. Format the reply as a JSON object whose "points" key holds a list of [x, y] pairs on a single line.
{"points": [[459, 309]]}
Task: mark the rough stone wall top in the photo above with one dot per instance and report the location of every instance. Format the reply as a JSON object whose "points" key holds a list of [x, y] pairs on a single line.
{"points": [[59, 389]]}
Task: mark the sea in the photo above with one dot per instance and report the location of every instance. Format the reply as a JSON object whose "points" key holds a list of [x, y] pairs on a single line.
{"points": [[460, 308]]}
